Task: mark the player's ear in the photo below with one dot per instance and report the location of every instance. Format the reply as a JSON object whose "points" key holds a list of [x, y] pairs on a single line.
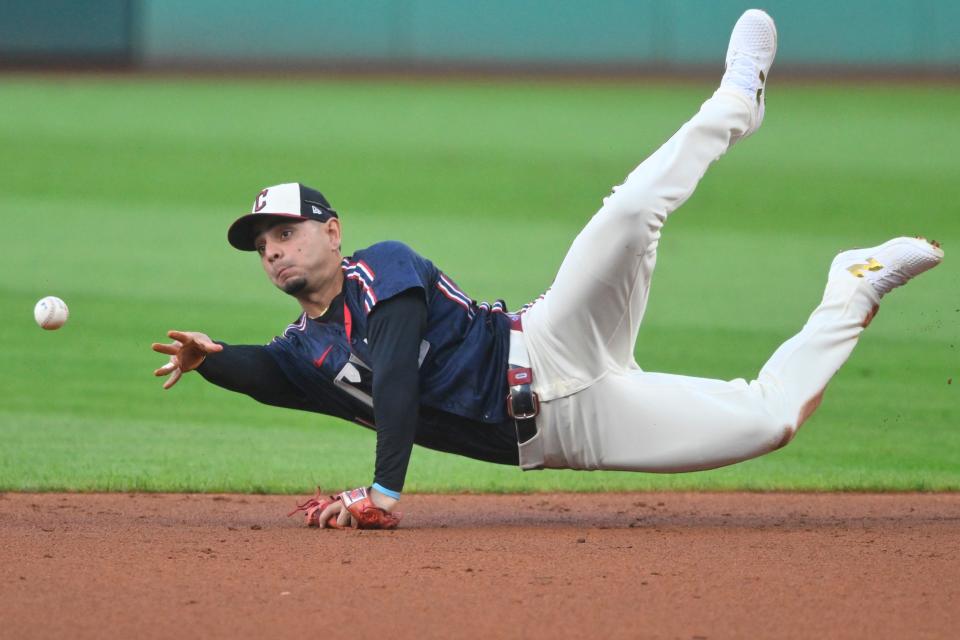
{"points": [[333, 233]]}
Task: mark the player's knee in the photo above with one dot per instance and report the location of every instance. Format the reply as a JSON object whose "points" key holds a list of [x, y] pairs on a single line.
{"points": [[789, 418], [784, 435], [783, 428], [778, 417], [772, 432]]}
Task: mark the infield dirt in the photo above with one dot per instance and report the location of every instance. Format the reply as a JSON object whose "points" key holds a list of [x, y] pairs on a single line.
{"points": [[641, 565]]}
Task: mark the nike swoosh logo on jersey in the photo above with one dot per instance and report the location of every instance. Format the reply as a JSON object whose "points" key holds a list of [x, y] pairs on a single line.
{"points": [[319, 361]]}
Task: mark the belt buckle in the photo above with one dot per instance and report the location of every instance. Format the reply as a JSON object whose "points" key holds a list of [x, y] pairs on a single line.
{"points": [[522, 403]]}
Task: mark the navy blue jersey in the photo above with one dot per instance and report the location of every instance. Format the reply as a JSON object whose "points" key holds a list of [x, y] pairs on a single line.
{"points": [[463, 356]]}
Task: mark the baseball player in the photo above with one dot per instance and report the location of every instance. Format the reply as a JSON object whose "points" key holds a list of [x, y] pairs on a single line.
{"points": [[386, 339]]}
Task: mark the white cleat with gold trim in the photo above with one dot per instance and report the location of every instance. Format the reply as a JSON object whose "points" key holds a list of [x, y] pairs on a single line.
{"points": [[750, 54], [891, 264]]}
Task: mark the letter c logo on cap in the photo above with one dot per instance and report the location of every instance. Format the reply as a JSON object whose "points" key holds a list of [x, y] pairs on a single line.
{"points": [[261, 201]]}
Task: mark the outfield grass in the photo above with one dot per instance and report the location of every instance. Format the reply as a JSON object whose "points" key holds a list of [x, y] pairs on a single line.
{"points": [[118, 193]]}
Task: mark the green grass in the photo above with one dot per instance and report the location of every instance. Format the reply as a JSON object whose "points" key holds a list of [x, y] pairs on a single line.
{"points": [[116, 193]]}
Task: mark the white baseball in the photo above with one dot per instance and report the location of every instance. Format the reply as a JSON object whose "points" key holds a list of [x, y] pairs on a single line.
{"points": [[51, 313]]}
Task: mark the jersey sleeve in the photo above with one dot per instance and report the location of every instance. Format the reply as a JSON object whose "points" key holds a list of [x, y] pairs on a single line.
{"points": [[250, 370], [396, 328], [388, 269]]}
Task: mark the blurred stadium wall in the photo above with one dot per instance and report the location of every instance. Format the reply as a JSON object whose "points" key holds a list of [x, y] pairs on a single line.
{"points": [[620, 35]]}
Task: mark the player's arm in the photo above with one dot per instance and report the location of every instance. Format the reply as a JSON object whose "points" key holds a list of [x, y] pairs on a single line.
{"points": [[394, 331], [251, 370], [246, 369]]}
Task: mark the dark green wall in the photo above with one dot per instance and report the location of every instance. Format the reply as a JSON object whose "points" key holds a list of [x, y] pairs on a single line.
{"points": [[622, 32], [69, 31], [857, 32]]}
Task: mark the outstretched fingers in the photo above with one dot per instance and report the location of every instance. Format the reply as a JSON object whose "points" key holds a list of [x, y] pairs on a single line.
{"points": [[200, 341], [172, 368], [187, 352], [171, 349], [172, 380], [166, 369]]}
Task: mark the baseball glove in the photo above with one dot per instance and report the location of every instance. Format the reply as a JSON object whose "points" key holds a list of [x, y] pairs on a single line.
{"points": [[314, 507], [366, 515]]}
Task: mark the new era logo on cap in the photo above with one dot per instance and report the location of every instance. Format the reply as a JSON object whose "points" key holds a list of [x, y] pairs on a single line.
{"points": [[290, 200]]}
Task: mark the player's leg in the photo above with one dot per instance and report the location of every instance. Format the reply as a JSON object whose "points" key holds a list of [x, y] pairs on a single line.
{"points": [[586, 325], [658, 422], [801, 368]]}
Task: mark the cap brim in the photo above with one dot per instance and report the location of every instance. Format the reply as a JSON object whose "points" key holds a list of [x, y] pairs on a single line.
{"points": [[241, 232]]}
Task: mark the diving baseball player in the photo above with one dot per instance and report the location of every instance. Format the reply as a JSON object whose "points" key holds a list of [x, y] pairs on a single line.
{"points": [[388, 340]]}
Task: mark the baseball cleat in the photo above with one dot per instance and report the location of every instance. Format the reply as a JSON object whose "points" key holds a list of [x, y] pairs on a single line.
{"points": [[891, 264], [753, 45]]}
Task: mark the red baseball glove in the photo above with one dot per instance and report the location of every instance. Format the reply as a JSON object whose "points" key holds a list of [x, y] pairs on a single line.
{"points": [[365, 514], [314, 507]]}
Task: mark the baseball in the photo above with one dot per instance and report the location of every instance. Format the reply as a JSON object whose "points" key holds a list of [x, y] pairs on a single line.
{"points": [[51, 313]]}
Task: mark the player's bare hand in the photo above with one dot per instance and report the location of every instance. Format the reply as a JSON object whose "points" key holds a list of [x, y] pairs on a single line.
{"points": [[187, 352], [344, 519]]}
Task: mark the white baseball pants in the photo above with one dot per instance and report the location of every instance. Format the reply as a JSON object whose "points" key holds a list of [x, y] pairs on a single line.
{"points": [[599, 410]]}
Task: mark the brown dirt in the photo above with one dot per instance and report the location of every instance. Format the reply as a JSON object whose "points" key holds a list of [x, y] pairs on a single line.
{"points": [[539, 566]]}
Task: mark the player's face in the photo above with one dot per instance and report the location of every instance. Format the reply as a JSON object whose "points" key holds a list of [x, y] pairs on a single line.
{"points": [[300, 256]]}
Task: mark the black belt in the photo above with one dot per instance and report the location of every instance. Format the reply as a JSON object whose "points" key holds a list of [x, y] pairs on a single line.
{"points": [[523, 405]]}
